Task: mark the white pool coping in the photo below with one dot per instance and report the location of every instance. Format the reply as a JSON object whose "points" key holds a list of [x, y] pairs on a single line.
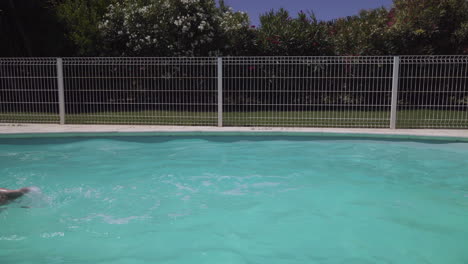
{"points": [[6, 128]]}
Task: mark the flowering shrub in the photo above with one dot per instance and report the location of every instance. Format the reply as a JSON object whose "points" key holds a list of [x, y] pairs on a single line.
{"points": [[169, 27], [237, 35], [81, 19], [364, 34], [279, 34], [460, 37], [428, 26]]}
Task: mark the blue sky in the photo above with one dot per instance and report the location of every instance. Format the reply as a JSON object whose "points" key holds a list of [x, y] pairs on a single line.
{"points": [[323, 9]]}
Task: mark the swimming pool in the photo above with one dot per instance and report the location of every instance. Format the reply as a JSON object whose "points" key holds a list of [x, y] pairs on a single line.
{"points": [[235, 199]]}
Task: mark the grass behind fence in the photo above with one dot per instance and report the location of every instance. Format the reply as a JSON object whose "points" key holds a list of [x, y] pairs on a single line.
{"points": [[357, 119]]}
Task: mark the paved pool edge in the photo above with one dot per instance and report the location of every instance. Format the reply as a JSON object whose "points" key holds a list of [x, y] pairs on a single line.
{"points": [[54, 130]]}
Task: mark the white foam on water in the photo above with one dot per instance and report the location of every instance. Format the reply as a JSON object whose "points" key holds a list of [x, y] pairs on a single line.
{"points": [[12, 238], [34, 189], [35, 198], [109, 219], [51, 235], [183, 187]]}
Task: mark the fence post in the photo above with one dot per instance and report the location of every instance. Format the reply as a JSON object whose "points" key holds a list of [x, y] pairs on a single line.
{"points": [[393, 109], [61, 96], [220, 92]]}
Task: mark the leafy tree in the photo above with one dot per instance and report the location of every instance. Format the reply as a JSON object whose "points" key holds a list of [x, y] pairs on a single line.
{"points": [[237, 35], [81, 19], [364, 34], [279, 34], [428, 26]]}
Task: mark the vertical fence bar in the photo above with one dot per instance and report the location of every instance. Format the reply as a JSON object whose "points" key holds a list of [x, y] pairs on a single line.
{"points": [[61, 96], [220, 92], [393, 109]]}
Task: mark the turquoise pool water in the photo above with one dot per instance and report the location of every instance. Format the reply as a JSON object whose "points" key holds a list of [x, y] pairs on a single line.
{"points": [[247, 199]]}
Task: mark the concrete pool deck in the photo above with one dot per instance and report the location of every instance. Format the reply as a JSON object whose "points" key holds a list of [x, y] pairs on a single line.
{"points": [[7, 128]]}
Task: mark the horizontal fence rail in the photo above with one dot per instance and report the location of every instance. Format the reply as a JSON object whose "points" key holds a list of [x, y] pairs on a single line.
{"points": [[357, 91]]}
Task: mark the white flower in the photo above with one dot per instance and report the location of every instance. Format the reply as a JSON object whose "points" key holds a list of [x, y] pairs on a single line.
{"points": [[143, 9]]}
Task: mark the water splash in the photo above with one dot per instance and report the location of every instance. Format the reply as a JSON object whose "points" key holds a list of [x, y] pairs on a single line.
{"points": [[35, 199]]}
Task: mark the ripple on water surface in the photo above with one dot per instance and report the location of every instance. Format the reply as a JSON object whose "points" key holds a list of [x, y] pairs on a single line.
{"points": [[234, 200]]}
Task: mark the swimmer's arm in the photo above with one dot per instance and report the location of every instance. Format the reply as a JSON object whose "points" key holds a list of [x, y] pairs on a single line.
{"points": [[13, 194], [3, 200]]}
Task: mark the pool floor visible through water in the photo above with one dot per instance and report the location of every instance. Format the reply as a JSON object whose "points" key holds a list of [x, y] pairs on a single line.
{"points": [[227, 199]]}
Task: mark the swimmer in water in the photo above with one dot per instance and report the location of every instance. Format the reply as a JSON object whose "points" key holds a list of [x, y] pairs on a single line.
{"points": [[7, 195]]}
